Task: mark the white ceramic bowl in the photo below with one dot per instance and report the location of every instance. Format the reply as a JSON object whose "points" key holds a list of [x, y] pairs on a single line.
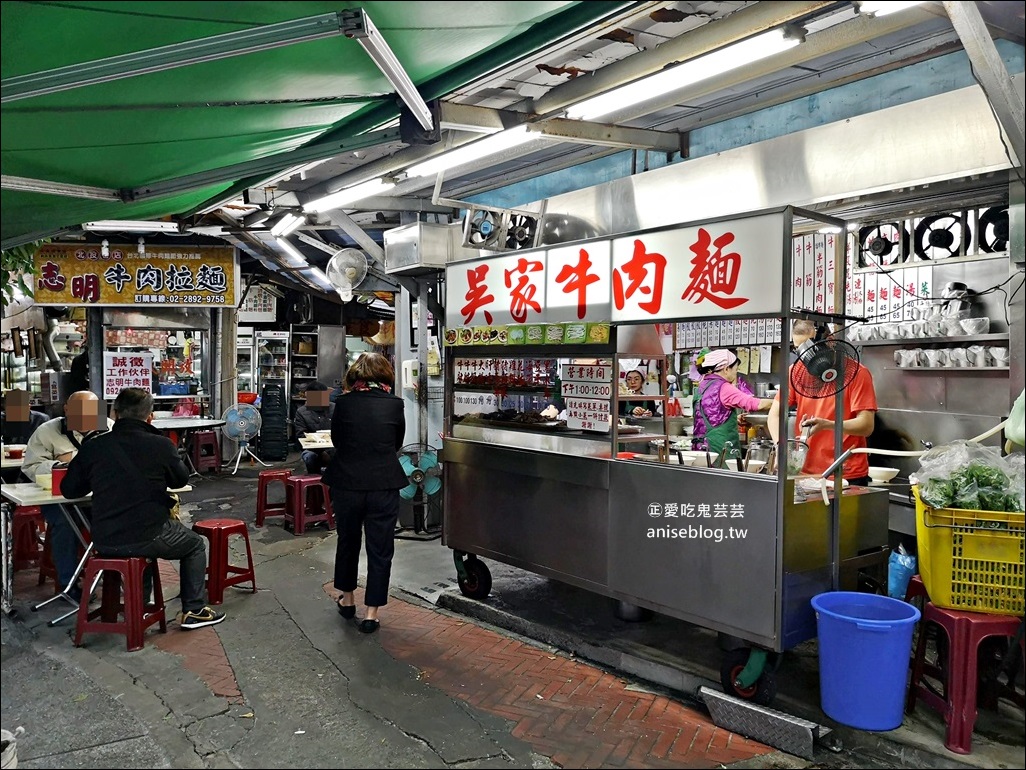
{"points": [[163, 415], [696, 458], [882, 475], [755, 466], [975, 325]]}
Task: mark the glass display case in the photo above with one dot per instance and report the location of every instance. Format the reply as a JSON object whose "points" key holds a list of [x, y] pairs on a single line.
{"points": [[272, 358], [566, 402], [244, 364]]}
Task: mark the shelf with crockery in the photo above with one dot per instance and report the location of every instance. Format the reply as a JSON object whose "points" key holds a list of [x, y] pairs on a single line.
{"points": [[948, 369], [958, 339]]}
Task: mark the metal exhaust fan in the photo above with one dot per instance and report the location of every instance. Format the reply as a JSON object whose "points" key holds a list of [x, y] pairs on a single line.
{"points": [[345, 271], [484, 229], [423, 471], [829, 367], [886, 243], [942, 236], [992, 233]]}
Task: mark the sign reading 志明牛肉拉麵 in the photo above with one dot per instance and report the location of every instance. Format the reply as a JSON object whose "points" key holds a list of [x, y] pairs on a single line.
{"points": [[117, 275]]}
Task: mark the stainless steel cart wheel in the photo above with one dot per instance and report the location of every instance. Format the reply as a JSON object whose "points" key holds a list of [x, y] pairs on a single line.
{"points": [[762, 691], [475, 581]]}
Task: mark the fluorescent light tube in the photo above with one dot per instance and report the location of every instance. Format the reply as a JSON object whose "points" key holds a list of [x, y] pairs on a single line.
{"points": [[348, 195], [356, 24], [132, 226], [885, 7], [287, 224], [292, 251], [468, 153], [690, 72]]}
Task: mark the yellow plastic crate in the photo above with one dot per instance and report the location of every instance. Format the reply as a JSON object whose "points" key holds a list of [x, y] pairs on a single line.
{"points": [[972, 560]]}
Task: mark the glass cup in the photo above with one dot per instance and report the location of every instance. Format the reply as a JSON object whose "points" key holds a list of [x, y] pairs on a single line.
{"points": [[936, 357], [959, 357]]}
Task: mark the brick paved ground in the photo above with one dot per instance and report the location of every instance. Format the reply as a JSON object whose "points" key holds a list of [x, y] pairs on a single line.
{"points": [[576, 714]]}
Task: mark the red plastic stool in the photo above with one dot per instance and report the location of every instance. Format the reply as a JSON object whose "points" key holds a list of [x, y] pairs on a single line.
{"points": [[965, 630], [220, 572], [138, 616], [264, 481], [304, 508], [27, 526], [206, 451]]}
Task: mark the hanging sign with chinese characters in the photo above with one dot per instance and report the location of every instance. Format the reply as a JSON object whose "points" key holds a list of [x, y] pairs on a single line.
{"points": [[198, 276], [731, 267], [126, 370], [587, 390]]}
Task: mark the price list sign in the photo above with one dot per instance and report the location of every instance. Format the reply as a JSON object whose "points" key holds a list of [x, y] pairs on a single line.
{"points": [[587, 390]]}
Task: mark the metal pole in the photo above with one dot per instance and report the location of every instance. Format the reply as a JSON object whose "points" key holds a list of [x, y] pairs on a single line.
{"points": [[422, 348], [94, 340]]}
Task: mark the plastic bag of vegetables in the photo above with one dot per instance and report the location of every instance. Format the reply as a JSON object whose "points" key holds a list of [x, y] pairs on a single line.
{"points": [[964, 474]]}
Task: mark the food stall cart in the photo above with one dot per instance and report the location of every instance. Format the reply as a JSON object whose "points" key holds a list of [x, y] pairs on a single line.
{"points": [[739, 553]]}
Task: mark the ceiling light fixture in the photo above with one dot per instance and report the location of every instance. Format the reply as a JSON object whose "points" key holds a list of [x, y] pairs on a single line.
{"points": [[287, 224], [131, 226], [348, 195], [141, 248], [690, 72], [356, 24], [876, 8], [468, 153], [293, 252], [257, 218]]}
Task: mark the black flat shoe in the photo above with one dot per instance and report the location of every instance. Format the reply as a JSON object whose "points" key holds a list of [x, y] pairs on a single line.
{"points": [[348, 611], [369, 626]]}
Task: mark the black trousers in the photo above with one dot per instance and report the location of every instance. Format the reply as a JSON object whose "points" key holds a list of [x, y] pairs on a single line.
{"points": [[374, 512], [175, 541]]}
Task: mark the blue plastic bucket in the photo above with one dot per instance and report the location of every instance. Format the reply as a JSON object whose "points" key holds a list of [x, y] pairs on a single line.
{"points": [[865, 641]]}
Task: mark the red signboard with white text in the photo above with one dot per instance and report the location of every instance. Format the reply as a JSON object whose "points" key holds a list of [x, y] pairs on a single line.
{"points": [[728, 268]]}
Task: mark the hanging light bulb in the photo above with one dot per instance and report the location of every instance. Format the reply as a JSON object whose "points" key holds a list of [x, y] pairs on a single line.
{"points": [[142, 246]]}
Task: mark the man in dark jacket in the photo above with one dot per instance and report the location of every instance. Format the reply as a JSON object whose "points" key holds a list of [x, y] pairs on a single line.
{"points": [[128, 471], [313, 416]]}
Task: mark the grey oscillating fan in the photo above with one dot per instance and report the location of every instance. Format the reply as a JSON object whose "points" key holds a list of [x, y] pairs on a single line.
{"points": [[242, 425], [346, 270]]}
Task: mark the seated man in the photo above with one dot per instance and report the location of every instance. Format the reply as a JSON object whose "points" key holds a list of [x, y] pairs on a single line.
{"points": [[56, 442], [315, 415], [17, 424], [129, 471]]}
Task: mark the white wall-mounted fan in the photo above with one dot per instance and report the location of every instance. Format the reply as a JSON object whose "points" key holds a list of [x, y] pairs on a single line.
{"points": [[346, 270]]}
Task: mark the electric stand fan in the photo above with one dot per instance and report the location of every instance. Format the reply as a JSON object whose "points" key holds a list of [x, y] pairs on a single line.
{"points": [[423, 471], [242, 425]]}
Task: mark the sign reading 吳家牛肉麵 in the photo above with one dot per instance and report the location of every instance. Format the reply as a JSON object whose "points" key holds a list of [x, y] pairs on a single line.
{"points": [[165, 276], [724, 268]]}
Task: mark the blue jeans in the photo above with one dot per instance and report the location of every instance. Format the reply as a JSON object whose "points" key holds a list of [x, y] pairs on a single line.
{"points": [[316, 460], [64, 545], [175, 541]]}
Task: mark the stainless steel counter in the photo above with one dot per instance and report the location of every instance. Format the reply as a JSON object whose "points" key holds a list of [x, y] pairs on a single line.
{"points": [[720, 549]]}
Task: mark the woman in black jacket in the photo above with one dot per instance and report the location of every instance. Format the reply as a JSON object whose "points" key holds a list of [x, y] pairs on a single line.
{"points": [[365, 477]]}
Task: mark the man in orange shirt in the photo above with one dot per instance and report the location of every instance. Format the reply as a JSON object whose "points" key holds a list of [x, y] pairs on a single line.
{"points": [[818, 415]]}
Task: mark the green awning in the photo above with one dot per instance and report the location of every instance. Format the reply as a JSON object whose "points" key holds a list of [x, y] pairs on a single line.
{"points": [[150, 128]]}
